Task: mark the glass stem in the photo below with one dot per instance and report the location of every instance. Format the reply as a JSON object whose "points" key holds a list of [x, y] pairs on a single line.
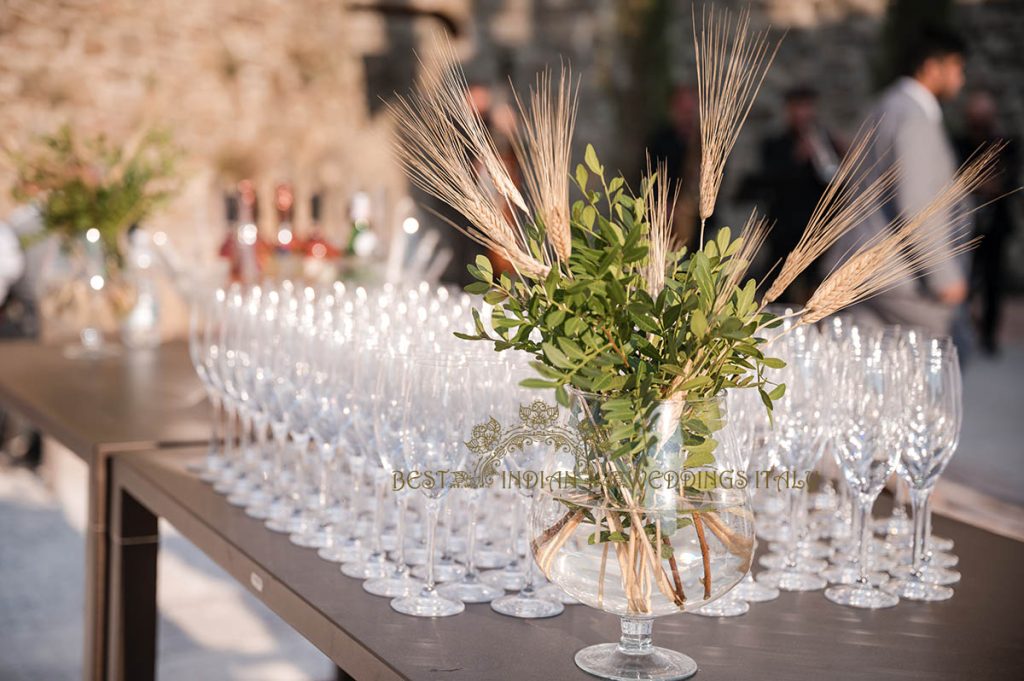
{"points": [[432, 513], [323, 491], [900, 502], [230, 443], [380, 482], [302, 474], [853, 543], [280, 433], [215, 429], [259, 422], [795, 503], [471, 539], [920, 508], [528, 586], [513, 549], [403, 507], [863, 513], [636, 635], [926, 549], [245, 436]]}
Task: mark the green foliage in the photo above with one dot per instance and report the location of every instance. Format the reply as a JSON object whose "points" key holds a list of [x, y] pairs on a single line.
{"points": [[595, 325], [80, 185]]}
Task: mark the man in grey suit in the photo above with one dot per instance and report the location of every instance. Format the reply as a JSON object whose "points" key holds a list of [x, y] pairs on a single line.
{"points": [[911, 134]]}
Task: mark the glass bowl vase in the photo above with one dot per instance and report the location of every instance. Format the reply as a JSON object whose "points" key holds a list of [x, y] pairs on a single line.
{"points": [[680, 487]]}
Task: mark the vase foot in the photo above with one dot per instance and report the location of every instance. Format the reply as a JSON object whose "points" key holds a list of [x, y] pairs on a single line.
{"points": [[607, 661]]}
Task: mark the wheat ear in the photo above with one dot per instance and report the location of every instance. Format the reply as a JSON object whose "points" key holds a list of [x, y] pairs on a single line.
{"points": [[910, 247], [659, 207], [731, 65], [543, 147], [847, 201]]}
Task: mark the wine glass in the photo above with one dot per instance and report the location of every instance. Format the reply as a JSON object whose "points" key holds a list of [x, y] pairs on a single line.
{"points": [[932, 417], [801, 433], [868, 404], [432, 437], [202, 350]]}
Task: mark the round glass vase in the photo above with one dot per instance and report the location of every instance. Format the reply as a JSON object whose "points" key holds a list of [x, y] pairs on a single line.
{"points": [[669, 470], [81, 298]]}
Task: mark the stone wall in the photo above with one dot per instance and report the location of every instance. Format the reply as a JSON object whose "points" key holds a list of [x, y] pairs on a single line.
{"points": [[287, 92]]}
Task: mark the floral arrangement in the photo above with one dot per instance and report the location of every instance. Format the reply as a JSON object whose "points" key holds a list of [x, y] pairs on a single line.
{"points": [[610, 307], [91, 184]]}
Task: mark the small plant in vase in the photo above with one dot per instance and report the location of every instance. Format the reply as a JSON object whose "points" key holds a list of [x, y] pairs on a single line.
{"points": [[89, 192], [640, 338]]}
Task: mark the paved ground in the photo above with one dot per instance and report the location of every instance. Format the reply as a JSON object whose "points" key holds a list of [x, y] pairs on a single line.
{"points": [[211, 629]]}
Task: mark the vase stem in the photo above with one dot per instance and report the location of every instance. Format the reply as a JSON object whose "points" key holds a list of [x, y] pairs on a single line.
{"points": [[636, 635]]}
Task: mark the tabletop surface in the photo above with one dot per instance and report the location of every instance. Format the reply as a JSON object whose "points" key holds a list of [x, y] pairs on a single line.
{"points": [[137, 399], [978, 634]]}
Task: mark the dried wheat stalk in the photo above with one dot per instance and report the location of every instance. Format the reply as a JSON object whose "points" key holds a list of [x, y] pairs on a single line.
{"points": [[544, 149], [910, 247], [729, 76], [848, 200], [437, 151], [447, 91], [659, 207]]}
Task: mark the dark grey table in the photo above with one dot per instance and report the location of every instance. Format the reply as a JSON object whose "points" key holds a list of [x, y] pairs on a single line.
{"points": [[977, 635], [136, 401]]}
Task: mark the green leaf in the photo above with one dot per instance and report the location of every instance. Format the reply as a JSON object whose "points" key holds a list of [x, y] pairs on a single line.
{"points": [[698, 323], [581, 176], [778, 392], [571, 349], [478, 288], [556, 356], [537, 384], [590, 156], [773, 363]]}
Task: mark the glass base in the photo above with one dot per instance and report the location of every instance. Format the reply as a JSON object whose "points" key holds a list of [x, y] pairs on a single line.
{"points": [[929, 573], [488, 559], [427, 604], [752, 592], [443, 572], [394, 587], [787, 580], [209, 469], [607, 661], [526, 606], [859, 596], [914, 589], [939, 560], [289, 524], [849, 574], [313, 539], [509, 580], [371, 568], [726, 606], [553, 592], [471, 590], [342, 552], [777, 561]]}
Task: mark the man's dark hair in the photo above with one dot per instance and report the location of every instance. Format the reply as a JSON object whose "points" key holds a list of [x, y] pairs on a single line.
{"points": [[930, 43]]}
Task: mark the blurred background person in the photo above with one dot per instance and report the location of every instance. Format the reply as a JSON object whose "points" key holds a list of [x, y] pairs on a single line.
{"points": [[995, 222], [676, 143], [911, 135], [796, 166]]}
